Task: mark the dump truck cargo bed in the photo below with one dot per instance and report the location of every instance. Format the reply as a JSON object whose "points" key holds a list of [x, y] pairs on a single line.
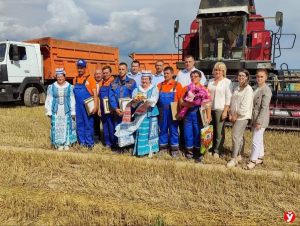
{"points": [[59, 53], [147, 60]]}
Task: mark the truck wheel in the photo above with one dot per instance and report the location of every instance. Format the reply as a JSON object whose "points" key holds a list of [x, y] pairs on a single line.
{"points": [[31, 97]]}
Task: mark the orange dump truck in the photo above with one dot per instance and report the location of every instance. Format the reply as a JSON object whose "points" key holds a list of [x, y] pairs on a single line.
{"points": [[147, 60], [26, 68]]}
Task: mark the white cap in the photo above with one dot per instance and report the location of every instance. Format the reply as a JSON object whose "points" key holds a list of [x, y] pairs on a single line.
{"points": [[60, 71], [146, 74]]}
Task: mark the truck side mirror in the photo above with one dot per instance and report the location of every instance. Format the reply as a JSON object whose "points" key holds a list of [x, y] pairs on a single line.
{"points": [[279, 19], [15, 53], [176, 26]]}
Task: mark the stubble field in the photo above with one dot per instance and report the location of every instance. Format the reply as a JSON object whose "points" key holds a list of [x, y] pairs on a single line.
{"points": [[41, 186]]}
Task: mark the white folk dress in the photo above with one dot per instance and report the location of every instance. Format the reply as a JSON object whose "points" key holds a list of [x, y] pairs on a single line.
{"points": [[60, 104]]}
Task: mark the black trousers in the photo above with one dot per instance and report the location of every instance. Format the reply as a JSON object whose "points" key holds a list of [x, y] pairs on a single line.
{"points": [[97, 132], [181, 134]]}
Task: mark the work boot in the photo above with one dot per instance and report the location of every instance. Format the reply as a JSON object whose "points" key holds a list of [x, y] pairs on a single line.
{"points": [[116, 150], [82, 145], [175, 155], [162, 149], [197, 155], [90, 147], [189, 153], [175, 151], [198, 160]]}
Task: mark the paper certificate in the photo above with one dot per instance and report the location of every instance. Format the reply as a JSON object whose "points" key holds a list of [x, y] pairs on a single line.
{"points": [[174, 110]]}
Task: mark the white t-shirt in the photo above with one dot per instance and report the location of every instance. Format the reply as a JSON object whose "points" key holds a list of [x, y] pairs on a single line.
{"points": [[184, 77], [212, 91]]}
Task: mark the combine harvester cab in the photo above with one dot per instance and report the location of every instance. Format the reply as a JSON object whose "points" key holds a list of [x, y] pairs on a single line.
{"points": [[230, 31]]}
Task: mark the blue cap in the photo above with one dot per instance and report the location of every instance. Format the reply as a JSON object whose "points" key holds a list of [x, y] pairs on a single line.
{"points": [[81, 63]]}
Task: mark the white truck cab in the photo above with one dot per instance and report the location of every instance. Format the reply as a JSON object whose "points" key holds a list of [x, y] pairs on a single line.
{"points": [[21, 73]]}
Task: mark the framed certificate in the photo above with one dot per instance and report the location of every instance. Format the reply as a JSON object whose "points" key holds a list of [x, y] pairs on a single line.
{"points": [[89, 105], [106, 106], [123, 102], [174, 110]]}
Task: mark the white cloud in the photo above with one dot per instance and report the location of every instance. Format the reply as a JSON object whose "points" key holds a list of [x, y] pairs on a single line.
{"points": [[66, 18], [141, 26], [132, 28]]}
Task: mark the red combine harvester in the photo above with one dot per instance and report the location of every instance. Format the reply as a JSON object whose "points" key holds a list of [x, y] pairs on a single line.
{"points": [[230, 31]]}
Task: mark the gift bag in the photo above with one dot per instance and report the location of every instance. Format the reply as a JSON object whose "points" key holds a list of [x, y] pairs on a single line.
{"points": [[206, 137]]}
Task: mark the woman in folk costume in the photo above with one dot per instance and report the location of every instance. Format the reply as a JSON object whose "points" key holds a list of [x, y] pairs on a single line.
{"points": [[146, 122], [60, 107]]}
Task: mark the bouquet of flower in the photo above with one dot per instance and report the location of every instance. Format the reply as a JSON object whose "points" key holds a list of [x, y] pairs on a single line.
{"points": [[195, 95]]}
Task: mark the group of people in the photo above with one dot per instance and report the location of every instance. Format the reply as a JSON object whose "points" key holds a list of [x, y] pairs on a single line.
{"points": [[152, 129]]}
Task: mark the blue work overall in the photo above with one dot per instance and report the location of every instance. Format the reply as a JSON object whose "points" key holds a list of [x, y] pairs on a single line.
{"points": [[166, 124], [107, 119], [84, 123], [192, 128]]}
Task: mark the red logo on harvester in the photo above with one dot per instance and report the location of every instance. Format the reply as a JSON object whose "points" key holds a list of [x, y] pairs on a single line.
{"points": [[289, 217]]}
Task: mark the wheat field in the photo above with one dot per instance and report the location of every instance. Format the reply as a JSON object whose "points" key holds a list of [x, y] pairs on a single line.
{"points": [[41, 186]]}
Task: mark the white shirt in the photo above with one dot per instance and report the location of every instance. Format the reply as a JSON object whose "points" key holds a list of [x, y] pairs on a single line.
{"points": [[156, 79], [97, 86], [137, 78], [212, 92], [242, 103], [221, 93], [184, 77]]}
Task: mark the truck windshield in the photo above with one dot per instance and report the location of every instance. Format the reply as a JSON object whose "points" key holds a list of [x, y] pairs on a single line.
{"points": [[2, 51]]}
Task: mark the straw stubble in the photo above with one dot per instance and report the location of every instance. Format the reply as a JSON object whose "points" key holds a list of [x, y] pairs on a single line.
{"points": [[40, 186]]}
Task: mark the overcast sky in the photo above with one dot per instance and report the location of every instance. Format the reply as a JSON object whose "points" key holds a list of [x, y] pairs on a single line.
{"points": [[140, 26]]}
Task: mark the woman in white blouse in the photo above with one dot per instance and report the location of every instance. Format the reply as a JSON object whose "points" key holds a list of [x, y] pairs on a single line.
{"points": [[240, 113], [60, 108], [220, 90]]}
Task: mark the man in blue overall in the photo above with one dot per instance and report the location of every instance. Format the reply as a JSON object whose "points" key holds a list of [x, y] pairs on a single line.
{"points": [[121, 87], [107, 119], [169, 91], [84, 87]]}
